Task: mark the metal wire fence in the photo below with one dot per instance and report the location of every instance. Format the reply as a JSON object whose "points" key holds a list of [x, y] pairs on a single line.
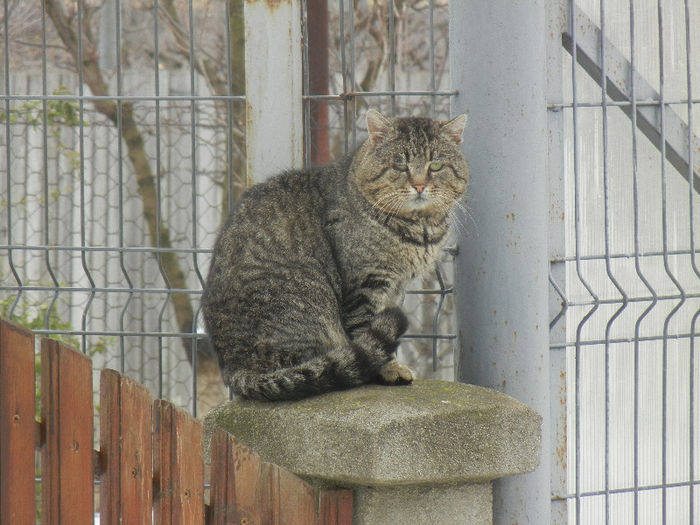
{"points": [[123, 148], [630, 291]]}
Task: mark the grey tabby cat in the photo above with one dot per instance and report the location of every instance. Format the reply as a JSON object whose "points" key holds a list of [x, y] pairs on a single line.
{"points": [[306, 275]]}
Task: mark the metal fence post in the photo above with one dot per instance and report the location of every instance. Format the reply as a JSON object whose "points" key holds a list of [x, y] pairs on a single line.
{"points": [[559, 396], [498, 65], [274, 108]]}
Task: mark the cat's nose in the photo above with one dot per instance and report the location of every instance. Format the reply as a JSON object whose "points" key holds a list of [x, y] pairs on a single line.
{"points": [[419, 188]]}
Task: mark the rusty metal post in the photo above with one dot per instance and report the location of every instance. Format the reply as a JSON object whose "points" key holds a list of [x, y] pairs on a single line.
{"points": [[317, 23], [274, 108]]}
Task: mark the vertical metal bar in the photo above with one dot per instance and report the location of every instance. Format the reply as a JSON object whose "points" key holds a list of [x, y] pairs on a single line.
{"points": [[691, 152], [606, 207], [691, 474], [579, 269], [691, 201], [120, 167], [667, 268], [664, 366], [343, 68], [436, 317], [577, 357], [637, 261], [83, 219], [392, 56], [229, 111], [273, 59], [195, 221], [306, 72], [45, 169], [159, 195], [8, 162], [635, 200], [506, 135], [608, 264], [351, 69], [431, 56]]}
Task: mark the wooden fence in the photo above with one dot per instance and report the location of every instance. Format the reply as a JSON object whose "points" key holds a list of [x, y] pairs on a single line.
{"points": [[149, 464]]}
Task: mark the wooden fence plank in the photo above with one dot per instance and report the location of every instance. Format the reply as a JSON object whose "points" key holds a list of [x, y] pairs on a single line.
{"points": [[292, 500], [17, 425], [236, 487], [336, 507], [247, 490], [66, 455], [126, 491], [178, 467]]}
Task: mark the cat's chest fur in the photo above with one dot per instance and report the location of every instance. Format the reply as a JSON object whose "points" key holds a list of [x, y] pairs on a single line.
{"points": [[370, 253]]}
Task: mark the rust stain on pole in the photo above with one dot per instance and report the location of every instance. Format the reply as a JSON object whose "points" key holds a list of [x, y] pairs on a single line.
{"points": [[272, 4]]}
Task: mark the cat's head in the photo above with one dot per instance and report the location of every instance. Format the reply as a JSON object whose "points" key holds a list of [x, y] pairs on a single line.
{"points": [[412, 166]]}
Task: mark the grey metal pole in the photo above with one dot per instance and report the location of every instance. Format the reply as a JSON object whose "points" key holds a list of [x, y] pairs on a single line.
{"points": [[274, 108], [498, 65]]}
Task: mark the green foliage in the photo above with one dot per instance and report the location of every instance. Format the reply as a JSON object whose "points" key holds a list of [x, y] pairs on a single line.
{"points": [[34, 317], [61, 112]]}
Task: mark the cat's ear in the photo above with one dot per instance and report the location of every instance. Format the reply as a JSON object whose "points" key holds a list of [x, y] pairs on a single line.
{"points": [[453, 129], [378, 126]]}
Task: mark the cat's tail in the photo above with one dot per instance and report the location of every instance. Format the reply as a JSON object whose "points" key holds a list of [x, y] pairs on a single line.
{"points": [[355, 364]]}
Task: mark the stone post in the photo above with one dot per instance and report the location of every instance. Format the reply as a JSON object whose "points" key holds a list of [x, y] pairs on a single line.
{"points": [[424, 453]]}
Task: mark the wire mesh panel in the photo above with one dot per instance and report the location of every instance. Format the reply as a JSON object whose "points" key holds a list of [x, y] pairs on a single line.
{"points": [[631, 290], [123, 148], [121, 153], [391, 56]]}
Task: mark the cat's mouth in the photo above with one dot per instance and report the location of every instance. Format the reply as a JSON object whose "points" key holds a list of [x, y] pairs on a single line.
{"points": [[419, 201]]}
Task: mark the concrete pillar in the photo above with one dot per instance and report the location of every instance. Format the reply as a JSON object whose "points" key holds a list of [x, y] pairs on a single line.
{"points": [[424, 453], [498, 57]]}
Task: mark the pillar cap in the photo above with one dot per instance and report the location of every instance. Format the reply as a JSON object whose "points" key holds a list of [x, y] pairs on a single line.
{"points": [[431, 432]]}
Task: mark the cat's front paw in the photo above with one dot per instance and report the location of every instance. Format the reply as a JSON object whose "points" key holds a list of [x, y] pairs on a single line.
{"points": [[388, 325], [394, 373]]}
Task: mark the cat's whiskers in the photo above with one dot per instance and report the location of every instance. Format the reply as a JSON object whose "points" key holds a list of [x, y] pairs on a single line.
{"points": [[387, 206], [393, 208], [465, 213], [452, 209]]}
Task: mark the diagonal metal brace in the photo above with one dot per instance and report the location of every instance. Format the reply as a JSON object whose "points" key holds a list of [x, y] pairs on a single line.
{"points": [[618, 76]]}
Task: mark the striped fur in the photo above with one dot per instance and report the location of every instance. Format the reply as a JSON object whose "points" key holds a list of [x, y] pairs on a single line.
{"points": [[306, 274]]}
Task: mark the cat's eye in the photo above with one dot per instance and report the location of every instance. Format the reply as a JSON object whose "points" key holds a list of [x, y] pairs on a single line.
{"points": [[401, 166], [435, 166]]}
